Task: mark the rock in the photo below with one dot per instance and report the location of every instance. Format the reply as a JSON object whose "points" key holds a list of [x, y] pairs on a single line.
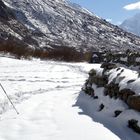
{"points": [[116, 90], [99, 81], [112, 90], [125, 93], [92, 72], [119, 74], [118, 69], [89, 91], [95, 97], [131, 81], [133, 124], [101, 107], [105, 91], [108, 66], [131, 59], [122, 70], [117, 113], [134, 102]]}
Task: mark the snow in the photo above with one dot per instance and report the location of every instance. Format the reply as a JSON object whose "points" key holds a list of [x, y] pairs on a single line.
{"points": [[7, 4], [128, 76], [46, 93], [117, 125], [124, 59], [91, 106], [78, 7], [138, 59], [98, 69], [122, 76]]}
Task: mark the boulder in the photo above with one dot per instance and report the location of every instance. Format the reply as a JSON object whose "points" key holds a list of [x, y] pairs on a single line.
{"points": [[115, 89], [112, 90], [89, 90], [101, 107], [108, 66], [134, 102], [125, 93], [105, 91], [92, 72], [99, 81]]}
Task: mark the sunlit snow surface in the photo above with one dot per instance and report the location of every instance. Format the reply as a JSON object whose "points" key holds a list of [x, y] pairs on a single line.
{"points": [[51, 107], [47, 96]]}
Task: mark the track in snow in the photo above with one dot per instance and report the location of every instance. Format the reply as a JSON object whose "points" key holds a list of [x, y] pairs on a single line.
{"points": [[45, 94]]}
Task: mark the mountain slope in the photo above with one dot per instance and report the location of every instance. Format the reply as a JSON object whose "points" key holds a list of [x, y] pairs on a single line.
{"points": [[59, 23], [132, 24], [14, 36]]}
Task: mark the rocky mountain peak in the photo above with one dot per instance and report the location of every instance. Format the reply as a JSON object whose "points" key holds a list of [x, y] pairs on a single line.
{"points": [[132, 24]]}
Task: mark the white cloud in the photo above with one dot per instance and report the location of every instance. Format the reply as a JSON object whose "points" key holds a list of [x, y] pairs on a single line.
{"points": [[132, 6]]}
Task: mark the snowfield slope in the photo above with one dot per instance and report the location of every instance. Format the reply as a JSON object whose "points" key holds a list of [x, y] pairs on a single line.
{"points": [[60, 23], [47, 96], [44, 94]]}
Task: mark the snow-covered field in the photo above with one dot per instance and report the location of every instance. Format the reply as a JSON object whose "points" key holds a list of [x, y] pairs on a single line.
{"points": [[51, 107], [46, 93]]}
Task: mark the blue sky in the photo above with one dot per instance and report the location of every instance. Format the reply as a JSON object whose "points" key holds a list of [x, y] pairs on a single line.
{"points": [[115, 11]]}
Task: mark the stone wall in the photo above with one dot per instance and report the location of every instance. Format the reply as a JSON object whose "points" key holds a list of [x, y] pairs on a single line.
{"points": [[128, 59], [112, 89]]}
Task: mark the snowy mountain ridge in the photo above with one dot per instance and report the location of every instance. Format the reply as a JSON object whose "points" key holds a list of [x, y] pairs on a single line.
{"points": [[132, 24], [57, 23]]}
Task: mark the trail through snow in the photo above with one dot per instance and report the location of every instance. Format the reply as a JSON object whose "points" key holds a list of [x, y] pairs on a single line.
{"points": [[45, 93]]}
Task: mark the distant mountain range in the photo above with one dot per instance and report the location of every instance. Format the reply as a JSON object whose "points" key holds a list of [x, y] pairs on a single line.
{"points": [[45, 24], [132, 24]]}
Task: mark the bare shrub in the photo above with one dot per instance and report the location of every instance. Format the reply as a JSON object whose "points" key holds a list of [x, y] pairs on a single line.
{"points": [[61, 53], [16, 48], [65, 54]]}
